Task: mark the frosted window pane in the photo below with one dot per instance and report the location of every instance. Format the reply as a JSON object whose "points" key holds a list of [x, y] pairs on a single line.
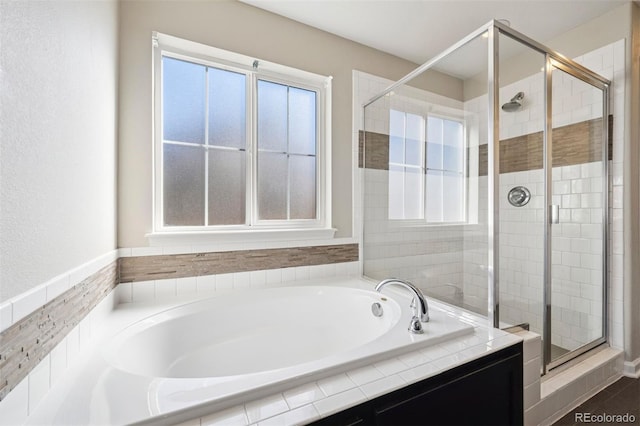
{"points": [[226, 187], [396, 136], [396, 123], [183, 101], [434, 130], [303, 187], [413, 193], [433, 202], [227, 108], [302, 121], [434, 155], [452, 157], [272, 186], [413, 154], [414, 137], [396, 150], [452, 133], [414, 127], [396, 192], [452, 200], [272, 116], [183, 180]]}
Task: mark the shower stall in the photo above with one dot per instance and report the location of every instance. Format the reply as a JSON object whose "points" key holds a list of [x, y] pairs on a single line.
{"points": [[495, 198]]}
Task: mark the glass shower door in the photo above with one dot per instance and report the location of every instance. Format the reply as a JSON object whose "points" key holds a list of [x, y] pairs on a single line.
{"points": [[521, 186], [577, 207]]}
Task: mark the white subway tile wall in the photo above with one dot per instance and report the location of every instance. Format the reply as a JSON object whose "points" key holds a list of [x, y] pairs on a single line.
{"points": [[25, 397], [451, 261], [576, 265], [577, 240]]}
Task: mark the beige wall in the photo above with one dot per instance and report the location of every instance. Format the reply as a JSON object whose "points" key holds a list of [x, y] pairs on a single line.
{"points": [[601, 31], [58, 89], [250, 31]]}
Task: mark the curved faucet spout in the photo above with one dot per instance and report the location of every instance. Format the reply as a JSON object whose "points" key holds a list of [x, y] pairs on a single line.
{"points": [[419, 304]]}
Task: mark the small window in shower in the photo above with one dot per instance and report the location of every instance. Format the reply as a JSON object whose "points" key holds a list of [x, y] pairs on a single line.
{"points": [[426, 168], [445, 166], [406, 166]]}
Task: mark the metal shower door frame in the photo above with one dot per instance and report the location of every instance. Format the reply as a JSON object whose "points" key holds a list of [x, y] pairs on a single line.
{"points": [[553, 60]]}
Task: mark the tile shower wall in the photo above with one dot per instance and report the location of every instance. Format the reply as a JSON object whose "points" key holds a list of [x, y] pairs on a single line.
{"points": [[576, 247], [576, 272], [456, 264], [431, 257]]}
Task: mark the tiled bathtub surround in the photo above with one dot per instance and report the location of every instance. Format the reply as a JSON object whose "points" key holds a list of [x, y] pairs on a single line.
{"points": [[30, 339], [145, 268], [34, 324], [302, 401], [203, 285]]}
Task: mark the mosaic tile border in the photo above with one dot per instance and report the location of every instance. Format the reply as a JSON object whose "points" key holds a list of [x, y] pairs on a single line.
{"points": [[25, 343], [145, 268], [573, 144]]}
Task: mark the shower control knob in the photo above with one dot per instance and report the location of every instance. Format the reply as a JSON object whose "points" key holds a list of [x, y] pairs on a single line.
{"points": [[519, 196]]}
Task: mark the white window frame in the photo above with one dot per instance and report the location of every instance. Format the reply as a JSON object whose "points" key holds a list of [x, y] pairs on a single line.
{"points": [[254, 69], [423, 221]]}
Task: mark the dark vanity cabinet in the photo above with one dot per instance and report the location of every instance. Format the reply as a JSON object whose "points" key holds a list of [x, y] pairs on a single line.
{"points": [[486, 391]]}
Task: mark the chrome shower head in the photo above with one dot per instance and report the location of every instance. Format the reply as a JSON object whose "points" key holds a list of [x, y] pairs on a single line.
{"points": [[514, 104]]}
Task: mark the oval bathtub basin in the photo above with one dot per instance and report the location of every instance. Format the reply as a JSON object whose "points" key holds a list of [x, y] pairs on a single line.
{"points": [[251, 332], [229, 348]]}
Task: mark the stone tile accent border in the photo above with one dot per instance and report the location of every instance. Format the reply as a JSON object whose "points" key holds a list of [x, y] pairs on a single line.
{"points": [[376, 156], [28, 341], [146, 268], [572, 144], [24, 344]]}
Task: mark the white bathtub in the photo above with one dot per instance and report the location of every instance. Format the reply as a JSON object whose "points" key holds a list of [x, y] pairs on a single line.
{"points": [[229, 349], [252, 332]]}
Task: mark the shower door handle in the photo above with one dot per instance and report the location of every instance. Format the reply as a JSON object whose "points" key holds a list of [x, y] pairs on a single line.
{"points": [[554, 213]]}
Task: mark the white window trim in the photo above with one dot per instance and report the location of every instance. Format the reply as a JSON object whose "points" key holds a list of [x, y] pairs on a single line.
{"points": [[318, 228]]}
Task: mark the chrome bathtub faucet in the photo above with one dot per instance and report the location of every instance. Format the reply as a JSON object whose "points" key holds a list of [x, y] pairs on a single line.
{"points": [[419, 304]]}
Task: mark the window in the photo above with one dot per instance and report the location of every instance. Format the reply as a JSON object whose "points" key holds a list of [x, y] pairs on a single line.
{"points": [[426, 168], [240, 143]]}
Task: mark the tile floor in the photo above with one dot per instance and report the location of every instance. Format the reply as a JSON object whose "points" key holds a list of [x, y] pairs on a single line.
{"points": [[620, 398]]}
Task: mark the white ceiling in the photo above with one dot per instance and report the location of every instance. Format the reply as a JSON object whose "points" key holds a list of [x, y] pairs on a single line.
{"points": [[417, 30]]}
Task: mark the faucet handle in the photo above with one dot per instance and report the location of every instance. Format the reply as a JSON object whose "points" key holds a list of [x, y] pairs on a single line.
{"points": [[415, 326]]}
